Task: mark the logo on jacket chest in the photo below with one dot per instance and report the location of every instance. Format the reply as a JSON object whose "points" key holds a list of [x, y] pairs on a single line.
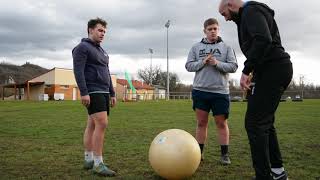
{"points": [[215, 52]]}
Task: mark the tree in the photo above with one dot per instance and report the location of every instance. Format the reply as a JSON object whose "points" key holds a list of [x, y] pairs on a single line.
{"points": [[155, 76], [150, 75], [10, 73], [183, 88], [301, 83], [173, 80]]}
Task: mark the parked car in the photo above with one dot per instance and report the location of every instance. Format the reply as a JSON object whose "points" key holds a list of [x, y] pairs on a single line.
{"points": [[235, 99], [297, 98]]}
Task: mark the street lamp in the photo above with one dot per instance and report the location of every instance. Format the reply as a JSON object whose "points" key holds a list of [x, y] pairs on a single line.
{"points": [[151, 72], [151, 52], [167, 26]]}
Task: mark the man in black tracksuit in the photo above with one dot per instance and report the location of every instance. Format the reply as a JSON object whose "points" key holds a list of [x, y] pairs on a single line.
{"points": [[271, 68]]}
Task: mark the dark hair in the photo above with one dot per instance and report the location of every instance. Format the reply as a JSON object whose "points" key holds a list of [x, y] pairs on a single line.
{"points": [[209, 22], [93, 22]]}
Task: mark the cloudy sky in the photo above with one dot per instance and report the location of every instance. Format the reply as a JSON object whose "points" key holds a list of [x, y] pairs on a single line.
{"points": [[44, 32]]}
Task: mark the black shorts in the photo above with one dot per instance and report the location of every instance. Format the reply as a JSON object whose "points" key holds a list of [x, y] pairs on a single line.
{"points": [[219, 104], [99, 102]]}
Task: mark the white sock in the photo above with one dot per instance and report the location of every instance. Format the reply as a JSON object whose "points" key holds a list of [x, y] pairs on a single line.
{"points": [[88, 155], [277, 170], [97, 160]]}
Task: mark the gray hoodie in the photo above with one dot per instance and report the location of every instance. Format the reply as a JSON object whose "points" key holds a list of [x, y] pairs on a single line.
{"points": [[210, 78]]}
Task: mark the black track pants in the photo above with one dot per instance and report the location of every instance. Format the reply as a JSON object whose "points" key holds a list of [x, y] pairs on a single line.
{"points": [[263, 101]]}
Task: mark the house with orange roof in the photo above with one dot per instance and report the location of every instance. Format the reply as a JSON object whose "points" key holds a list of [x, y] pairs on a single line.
{"points": [[143, 91]]}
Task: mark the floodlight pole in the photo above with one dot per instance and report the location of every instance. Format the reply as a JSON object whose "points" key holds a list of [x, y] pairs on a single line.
{"points": [[151, 72], [167, 26]]}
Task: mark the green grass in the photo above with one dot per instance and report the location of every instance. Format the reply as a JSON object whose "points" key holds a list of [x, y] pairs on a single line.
{"points": [[43, 140]]}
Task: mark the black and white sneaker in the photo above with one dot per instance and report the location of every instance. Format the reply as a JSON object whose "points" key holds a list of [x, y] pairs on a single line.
{"points": [[225, 160], [282, 176]]}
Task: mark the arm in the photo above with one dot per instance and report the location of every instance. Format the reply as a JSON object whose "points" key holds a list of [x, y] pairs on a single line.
{"points": [[79, 55], [231, 65], [261, 39], [112, 93], [192, 65], [111, 89]]}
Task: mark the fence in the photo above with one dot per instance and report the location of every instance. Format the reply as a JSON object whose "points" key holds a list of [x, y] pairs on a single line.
{"points": [[238, 95], [234, 95]]}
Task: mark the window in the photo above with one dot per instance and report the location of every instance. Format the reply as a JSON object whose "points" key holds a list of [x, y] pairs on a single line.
{"points": [[64, 86]]}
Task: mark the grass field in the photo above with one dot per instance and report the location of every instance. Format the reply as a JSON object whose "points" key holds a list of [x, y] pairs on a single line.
{"points": [[43, 140]]}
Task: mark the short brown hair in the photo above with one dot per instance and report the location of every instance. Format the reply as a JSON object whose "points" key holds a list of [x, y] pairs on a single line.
{"points": [[209, 22], [93, 22]]}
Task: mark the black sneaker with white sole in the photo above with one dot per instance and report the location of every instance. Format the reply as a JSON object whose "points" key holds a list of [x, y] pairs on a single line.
{"points": [[225, 160], [282, 176]]}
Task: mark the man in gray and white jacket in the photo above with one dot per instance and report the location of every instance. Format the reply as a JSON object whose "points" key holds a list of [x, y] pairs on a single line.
{"points": [[212, 61]]}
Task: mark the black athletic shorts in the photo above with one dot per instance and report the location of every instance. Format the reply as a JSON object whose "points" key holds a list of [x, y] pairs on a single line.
{"points": [[99, 102], [219, 104]]}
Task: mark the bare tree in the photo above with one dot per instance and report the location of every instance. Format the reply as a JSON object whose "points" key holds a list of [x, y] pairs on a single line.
{"points": [[301, 83], [150, 75], [157, 77]]}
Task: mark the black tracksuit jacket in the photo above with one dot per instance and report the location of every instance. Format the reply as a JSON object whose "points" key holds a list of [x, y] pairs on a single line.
{"points": [[259, 37]]}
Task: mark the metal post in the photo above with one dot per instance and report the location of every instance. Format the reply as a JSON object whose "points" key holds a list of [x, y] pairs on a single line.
{"points": [[151, 72], [3, 92], [28, 90], [167, 26], [15, 92], [151, 60]]}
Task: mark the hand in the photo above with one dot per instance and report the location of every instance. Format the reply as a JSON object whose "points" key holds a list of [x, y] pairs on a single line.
{"points": [[245, 82], [207, 59], [113, 101], [85, 100], [213, 61]]}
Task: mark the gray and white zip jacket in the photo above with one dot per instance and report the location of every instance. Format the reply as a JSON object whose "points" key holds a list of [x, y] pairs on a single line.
{"points": [[211, 78]]}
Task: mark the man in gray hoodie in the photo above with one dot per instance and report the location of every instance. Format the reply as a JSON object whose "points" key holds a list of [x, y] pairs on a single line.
{"points": [[212, 60]]}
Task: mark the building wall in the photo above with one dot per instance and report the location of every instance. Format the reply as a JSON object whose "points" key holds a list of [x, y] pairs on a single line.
{"points": [[35, 92], [48, 78], [114, 81], [144, 94], [126, 94], [120, 91], [64, 77], [67, 90], [160, 94], [49, 89]]}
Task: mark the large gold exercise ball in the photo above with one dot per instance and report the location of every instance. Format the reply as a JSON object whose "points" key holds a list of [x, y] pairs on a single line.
{"points": [[174, 154]]}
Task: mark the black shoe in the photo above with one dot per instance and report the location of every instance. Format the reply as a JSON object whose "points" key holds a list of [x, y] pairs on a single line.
{"points": [[225, 160], [282, 176]]}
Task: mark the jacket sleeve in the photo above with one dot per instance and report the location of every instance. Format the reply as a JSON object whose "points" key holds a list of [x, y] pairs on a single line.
{"points": [[192, 64], [79, 55], [256, 24], [230, 65]]}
